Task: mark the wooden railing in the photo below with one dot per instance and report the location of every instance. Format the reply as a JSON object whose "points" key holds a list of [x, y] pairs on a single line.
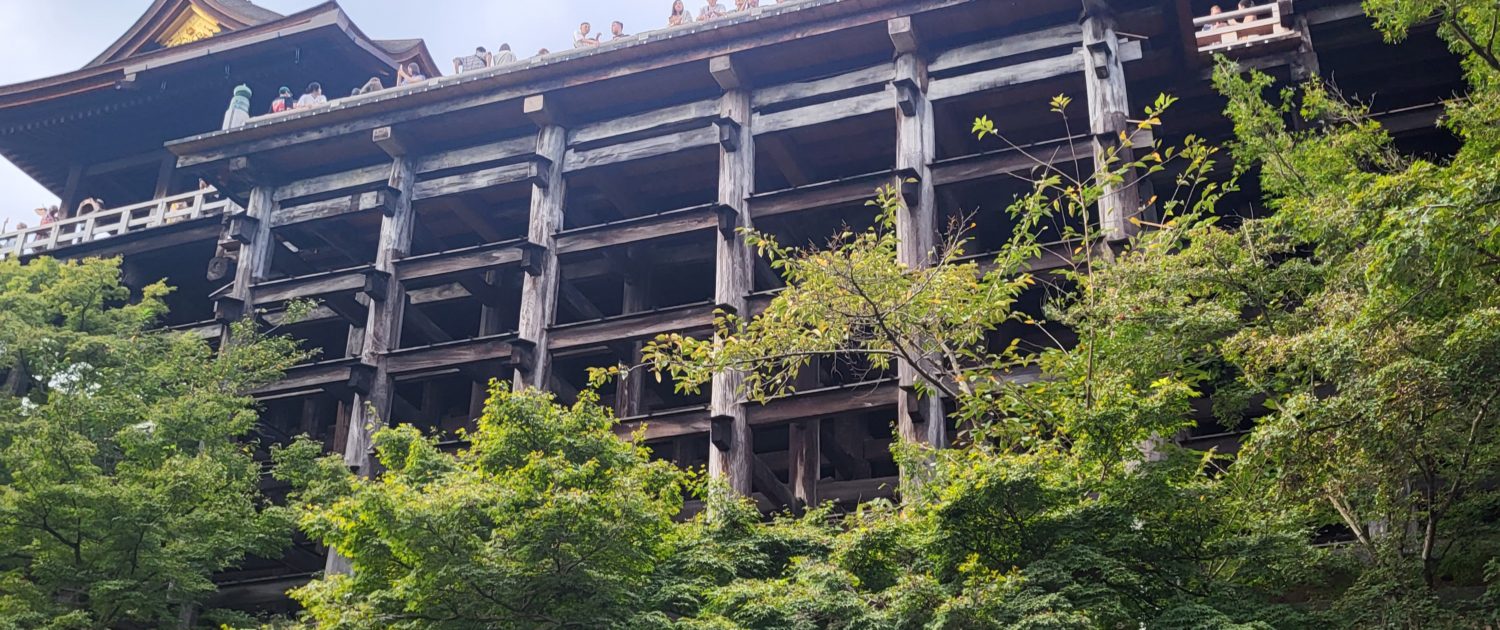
{"points": [[1244, 28], [113, 222]]}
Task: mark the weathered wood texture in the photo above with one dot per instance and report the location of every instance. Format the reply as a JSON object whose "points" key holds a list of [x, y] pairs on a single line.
{"points": [[731, 455], [1109, 105], [920, 419], [540, 287]]}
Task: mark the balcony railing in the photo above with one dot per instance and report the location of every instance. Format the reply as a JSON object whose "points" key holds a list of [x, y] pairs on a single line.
{"points": [[104, 224], [1244, 28]]}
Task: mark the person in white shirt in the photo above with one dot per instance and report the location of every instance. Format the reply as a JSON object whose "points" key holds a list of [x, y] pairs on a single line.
{"points": [[712, 11], [581, 39], [506, 55], [313, 97]]}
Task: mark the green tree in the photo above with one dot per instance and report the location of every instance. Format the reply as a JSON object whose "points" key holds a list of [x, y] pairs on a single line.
{"points": [[125, 481], [547, 520]]}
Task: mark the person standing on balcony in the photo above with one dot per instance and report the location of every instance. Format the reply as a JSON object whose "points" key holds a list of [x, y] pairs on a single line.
{"points": [[712, 11], [478, 61], [745, 5], [409, 74], [1245, 19], [1216, 24], [313, 97], [679, 15], [617, 30], [581, 39], [505, 56], [284, 101]]}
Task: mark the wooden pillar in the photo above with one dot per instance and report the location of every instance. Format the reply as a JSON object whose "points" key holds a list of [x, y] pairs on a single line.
{"points": [[731, 456], [805, 460], [165, 173], [919, 419], [540, 285], [250, 232], [636, 298], [1109, 106], [371, 411], [490, 323]]}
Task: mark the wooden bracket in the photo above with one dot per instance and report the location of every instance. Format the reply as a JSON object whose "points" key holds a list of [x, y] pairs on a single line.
{"points": [[541, 111], [911, 186], [377, 285], [532, 255], [390, 142], [388, 198], [721, 431], [539, 172], [727, 309], [903, 35], [361, 379], [907, 95], [242, 228], [726, 73], [522, 354], [1100, 55], [228, 310], [729, 133], [729, 218], [914, 409]]}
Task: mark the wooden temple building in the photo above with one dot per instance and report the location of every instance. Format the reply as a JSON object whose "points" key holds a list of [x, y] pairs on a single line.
{"points": [[529, 221]]}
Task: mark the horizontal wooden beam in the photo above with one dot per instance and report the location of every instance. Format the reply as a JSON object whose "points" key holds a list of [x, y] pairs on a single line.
{"points": [[450, 355], [820, 195], [629, 327], [1027, 72], [638, 229], [821, 113], [319, 284], [471, 180], [981, 165], [477, 156], [329, 208], [581, 159], [334, 184], [468, 259], [652, 123], [946, 62], [788, 95], [314, 377]]}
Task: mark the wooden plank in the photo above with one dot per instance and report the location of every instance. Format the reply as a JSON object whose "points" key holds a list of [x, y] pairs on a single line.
{"points": [[981, 165], [950, 87], [449, 355], [859, 491], [731, 456], [510, 149], [470, 181], [318, 284], [655, 122], [630, 327], [335, 184], [638, 229], [947, 61], [580, 159], [309, 377], [820, 195], [829, 401], [788, 94], [329, 208], [466, 260], [765, 481], [821, 113], [665, 424]]}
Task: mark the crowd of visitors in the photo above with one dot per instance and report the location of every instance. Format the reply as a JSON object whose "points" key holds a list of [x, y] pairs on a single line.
{"points": [[1217, 10]]}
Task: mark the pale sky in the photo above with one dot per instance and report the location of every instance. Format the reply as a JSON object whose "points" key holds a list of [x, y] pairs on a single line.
{"points": [[42, 38]]}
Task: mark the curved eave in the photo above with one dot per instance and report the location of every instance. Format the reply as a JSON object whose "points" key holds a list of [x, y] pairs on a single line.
{"points": [[108, 76], [232, 15]]}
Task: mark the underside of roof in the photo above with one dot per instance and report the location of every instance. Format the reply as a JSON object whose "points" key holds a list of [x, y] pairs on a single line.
{"points": [[181, 21]]}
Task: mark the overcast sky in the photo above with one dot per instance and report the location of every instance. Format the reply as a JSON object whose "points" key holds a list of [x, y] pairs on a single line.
{"points": [[42, 38]]}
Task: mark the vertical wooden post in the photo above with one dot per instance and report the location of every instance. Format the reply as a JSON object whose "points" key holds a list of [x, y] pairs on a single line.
{"points": [[490, 323], [731, 450], [1109, 105], [253, 261], [165, 173], [371, 410], [636, 298], [806, 461], [919, 419], [540, 286]]}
